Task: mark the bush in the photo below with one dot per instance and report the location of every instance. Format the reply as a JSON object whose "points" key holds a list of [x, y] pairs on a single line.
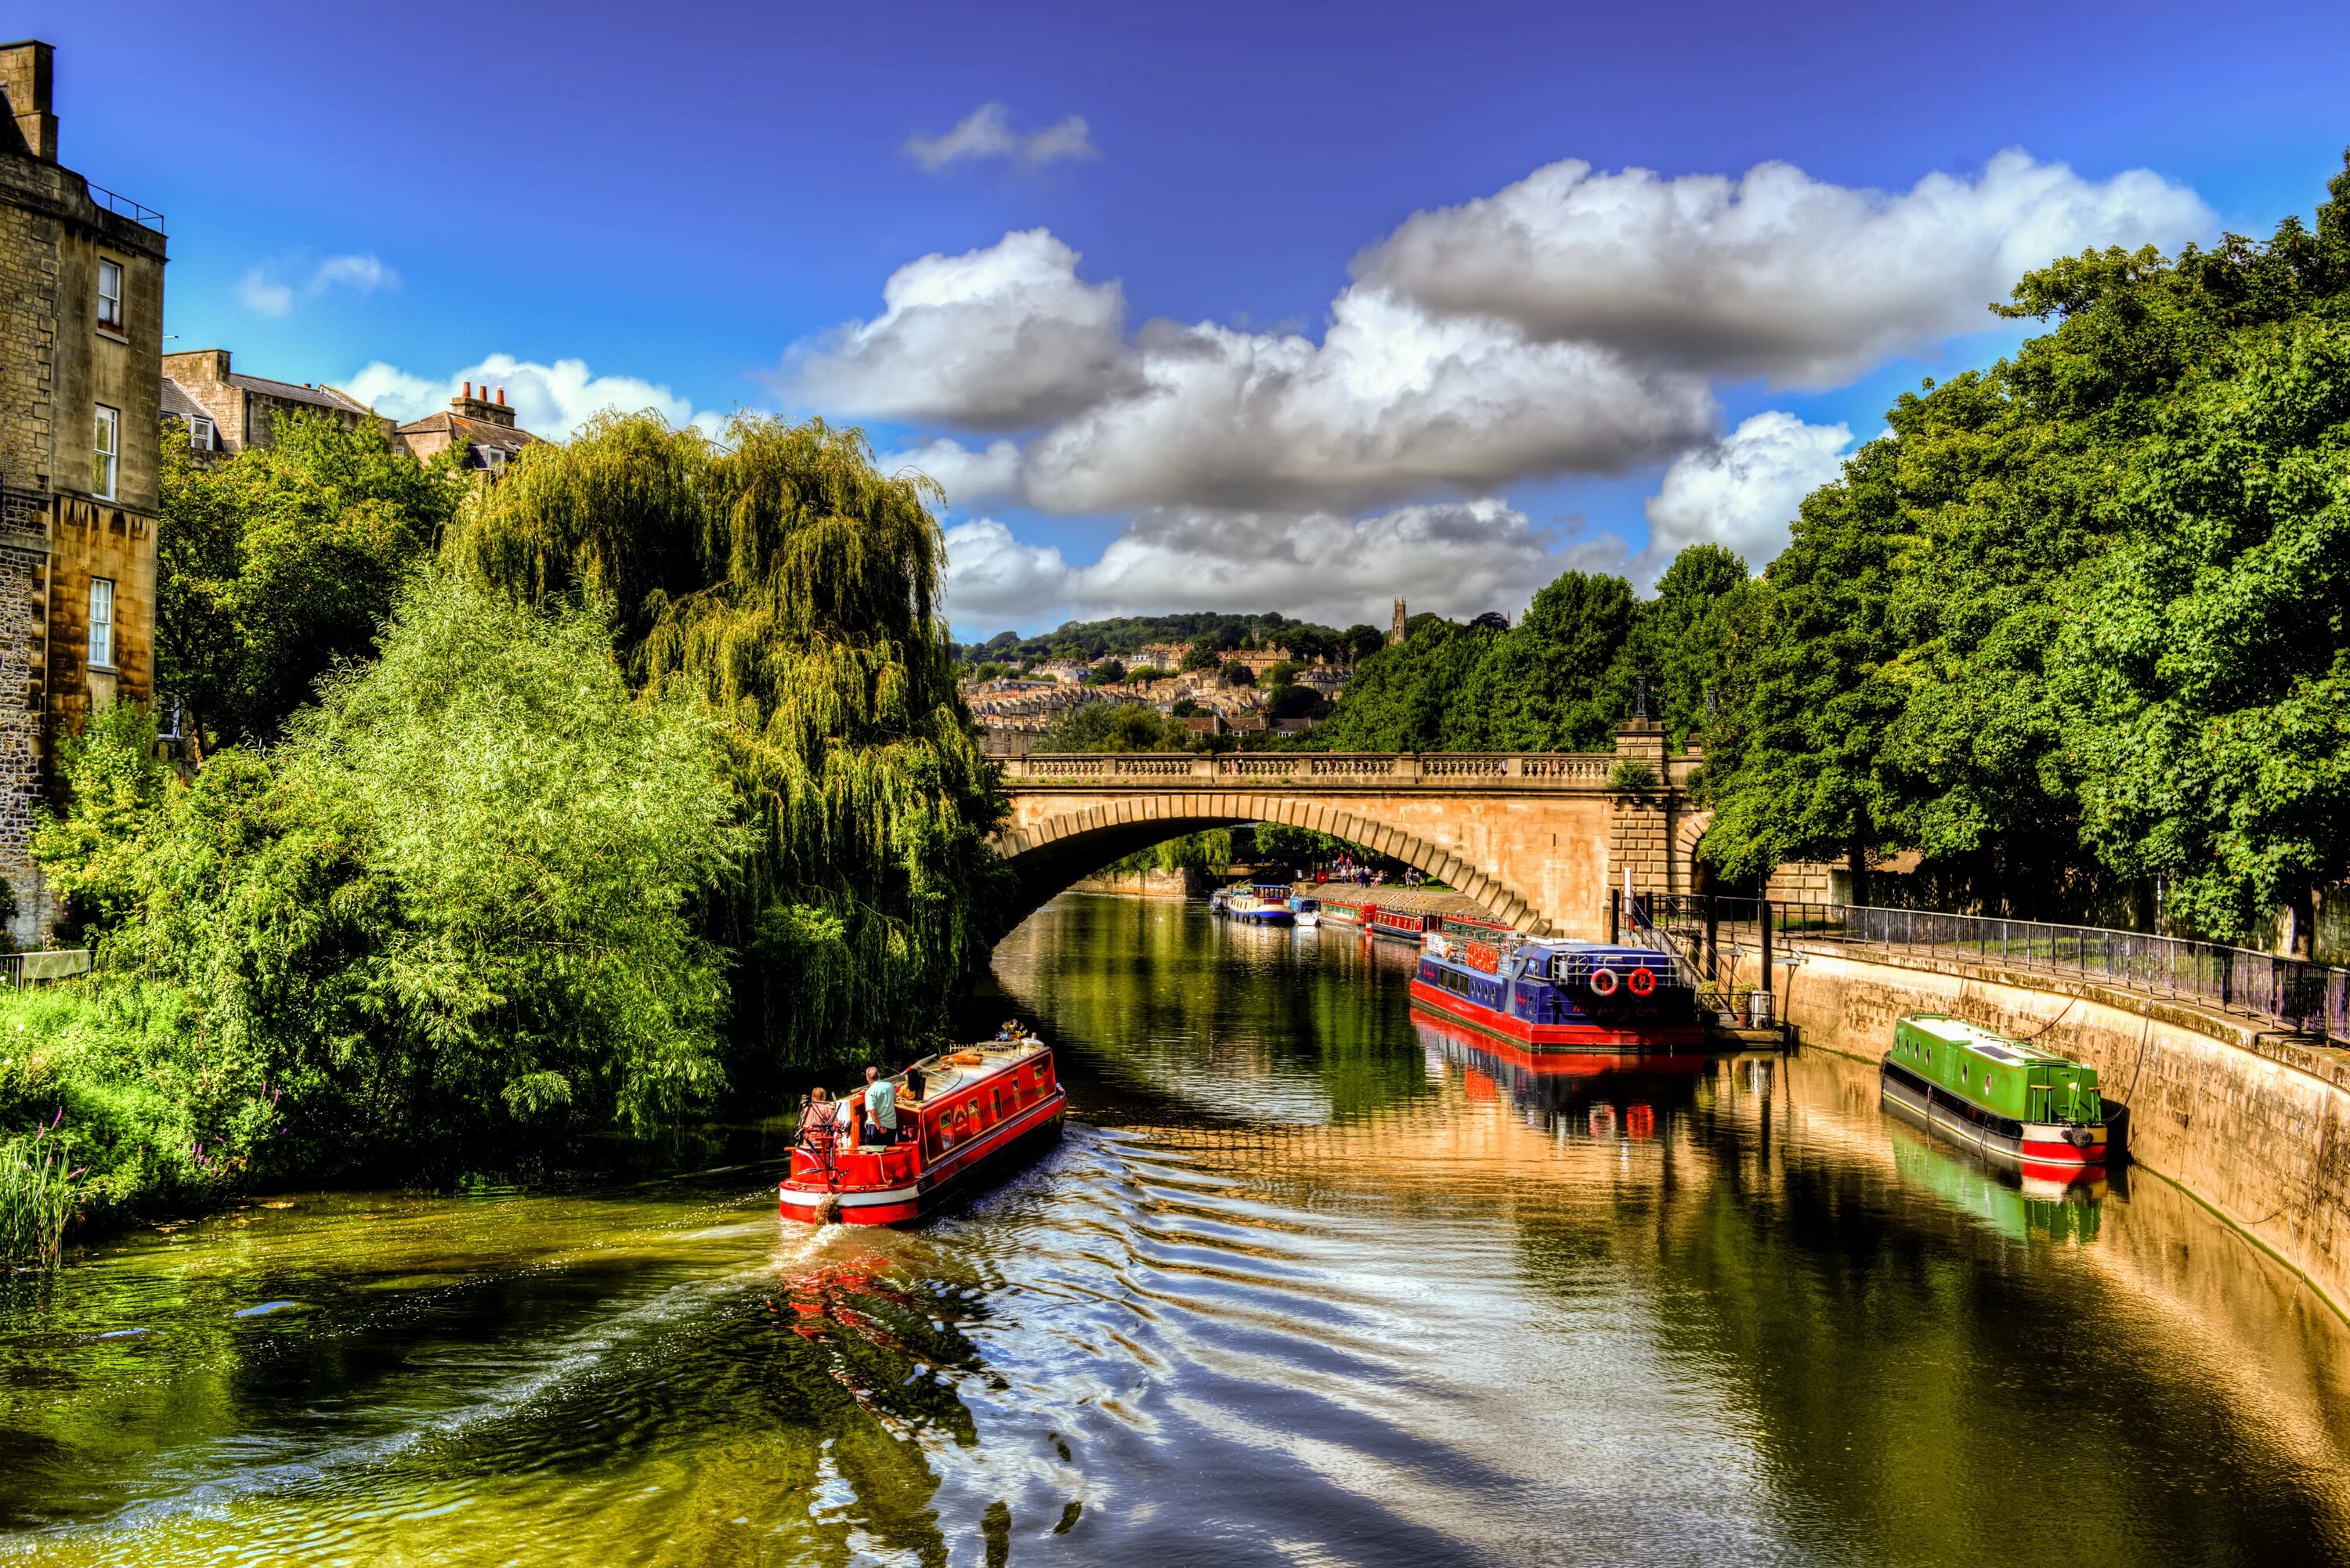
{"points": [[1631, 776]]}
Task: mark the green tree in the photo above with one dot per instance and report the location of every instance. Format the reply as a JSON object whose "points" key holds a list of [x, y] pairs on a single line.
{"points": [[457, 900], [1557, 681], [790, 589], [272, 567], [1112, 727], [1401, 697], [1109, 672]]}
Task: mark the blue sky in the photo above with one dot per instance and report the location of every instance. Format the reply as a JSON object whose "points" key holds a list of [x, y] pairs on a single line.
{"points": [[701, 210]]}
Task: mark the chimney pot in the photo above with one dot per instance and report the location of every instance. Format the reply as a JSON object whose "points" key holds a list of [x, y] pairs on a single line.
{"points": [[468, 392], [502, 397]]}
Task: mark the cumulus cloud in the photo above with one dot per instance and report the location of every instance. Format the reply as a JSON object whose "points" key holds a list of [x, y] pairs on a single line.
{"points": [[968, 475], [264, 294], [1775, 274], [1458, 558], [551, 400], [1391, 401], [986, 133], [997, 339], [1744, 490]]}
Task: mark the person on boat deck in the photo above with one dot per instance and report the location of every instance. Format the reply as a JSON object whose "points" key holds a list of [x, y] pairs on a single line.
{"points": [[881, 1105], [818, 1120], [845, 1120]]}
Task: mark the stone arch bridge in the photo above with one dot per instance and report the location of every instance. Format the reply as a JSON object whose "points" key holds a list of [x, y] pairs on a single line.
{"points": [[1538, 838]]}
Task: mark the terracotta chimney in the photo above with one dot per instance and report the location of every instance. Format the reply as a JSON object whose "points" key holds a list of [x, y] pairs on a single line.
{"points": [[502, 397]]}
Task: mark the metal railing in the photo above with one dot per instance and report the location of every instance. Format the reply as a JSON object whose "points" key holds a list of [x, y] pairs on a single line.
{"points": [[124, 207], [19, 970], [2291, 993]]}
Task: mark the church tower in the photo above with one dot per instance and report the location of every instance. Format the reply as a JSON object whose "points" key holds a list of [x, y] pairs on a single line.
{"points": [[1395, 630]]}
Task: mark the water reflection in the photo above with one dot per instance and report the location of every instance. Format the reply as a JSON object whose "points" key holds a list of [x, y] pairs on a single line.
{"points": [[1309, 1281]]}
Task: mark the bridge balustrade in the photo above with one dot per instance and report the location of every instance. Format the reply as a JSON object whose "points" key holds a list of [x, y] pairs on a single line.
{"points": [[1580, 770]]}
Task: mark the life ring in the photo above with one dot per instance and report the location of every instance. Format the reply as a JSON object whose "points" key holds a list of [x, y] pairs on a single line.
{"points": [[1643, 981], [1603, 983]]}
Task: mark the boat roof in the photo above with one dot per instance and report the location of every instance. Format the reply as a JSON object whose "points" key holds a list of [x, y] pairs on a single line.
{"points": [[940, 1074], [1975, 1038]]}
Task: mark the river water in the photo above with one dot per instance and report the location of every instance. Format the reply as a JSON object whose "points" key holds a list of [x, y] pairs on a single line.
{"points": [[1308, 1282]]}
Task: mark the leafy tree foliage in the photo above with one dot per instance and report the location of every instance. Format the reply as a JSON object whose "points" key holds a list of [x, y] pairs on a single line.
{"points": [[455, 900], [2076, 622], [785, 587], [278, 563], [1113, 727]]}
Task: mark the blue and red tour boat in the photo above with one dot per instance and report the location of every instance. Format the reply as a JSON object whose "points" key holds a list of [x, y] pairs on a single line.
{"points": [[968, 1116], [1550, 995]]}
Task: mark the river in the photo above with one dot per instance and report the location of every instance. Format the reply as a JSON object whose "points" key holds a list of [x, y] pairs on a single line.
{"points": [[1307, 1282]]}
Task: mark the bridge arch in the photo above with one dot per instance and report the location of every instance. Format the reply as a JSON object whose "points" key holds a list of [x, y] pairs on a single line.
{"points": [[1050, 855]]}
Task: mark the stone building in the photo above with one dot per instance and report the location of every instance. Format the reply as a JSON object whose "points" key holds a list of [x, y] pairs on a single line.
{"points": [[81, 341], [486, 427], [226, 410]]}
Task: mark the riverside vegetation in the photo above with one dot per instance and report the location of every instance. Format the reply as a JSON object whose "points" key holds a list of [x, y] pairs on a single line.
{"points": [[2076, 626], [633, 780]]}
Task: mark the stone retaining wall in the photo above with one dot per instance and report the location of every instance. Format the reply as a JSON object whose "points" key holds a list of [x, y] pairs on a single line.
{"points": [[2254, 1123], [1152, 884]]}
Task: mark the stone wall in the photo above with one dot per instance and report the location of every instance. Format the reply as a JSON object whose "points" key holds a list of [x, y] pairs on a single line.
{"points": [[1156, 883], [2255, 1125]]}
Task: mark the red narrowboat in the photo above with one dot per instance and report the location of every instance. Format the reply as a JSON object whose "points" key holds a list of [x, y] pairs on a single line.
{"points": [[965, 1115]]}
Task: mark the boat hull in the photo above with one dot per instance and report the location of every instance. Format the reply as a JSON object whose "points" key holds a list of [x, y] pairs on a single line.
{"points": [[2028, 1143], [1556, 1037], [983, 1160]]}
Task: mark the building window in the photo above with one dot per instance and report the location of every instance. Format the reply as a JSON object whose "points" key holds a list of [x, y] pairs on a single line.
{"points": [[201, 434], [110, 295], [101, 623], [105, 450]]}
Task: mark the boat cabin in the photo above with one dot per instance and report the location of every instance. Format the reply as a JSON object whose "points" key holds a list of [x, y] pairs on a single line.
{"points": [[2005, 1076]]}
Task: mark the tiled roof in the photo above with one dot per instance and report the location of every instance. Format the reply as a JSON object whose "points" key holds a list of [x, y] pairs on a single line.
{"points": [[177, 404], [480, 432], [317, 396]]}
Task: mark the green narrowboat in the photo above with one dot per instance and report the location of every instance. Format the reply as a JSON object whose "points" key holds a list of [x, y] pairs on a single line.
{"points": [[1994, 1094]]}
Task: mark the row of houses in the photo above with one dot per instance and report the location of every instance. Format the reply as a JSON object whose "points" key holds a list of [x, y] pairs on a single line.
{"points": [[84, 386]]}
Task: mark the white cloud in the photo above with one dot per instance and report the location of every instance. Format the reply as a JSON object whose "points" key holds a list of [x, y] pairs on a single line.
{"points": [[551, 400], [986, 133], [264, 295], [1776, 274], [993, 339], [1454, 558], [969, 476], [1743, 491], [1392, 401]]}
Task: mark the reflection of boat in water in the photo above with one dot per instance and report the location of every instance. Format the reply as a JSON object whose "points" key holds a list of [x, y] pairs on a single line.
{"points": [[1996, 1094], [1548, 995], [1611, 1088], [970, 1112], [2019, 1201], [1266, 903]]}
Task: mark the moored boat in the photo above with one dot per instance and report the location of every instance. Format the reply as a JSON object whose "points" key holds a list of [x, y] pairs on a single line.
{"points": [[1552, 995], [1994, 1094], [1306, 911], [965, 1115], [1266, 903]]}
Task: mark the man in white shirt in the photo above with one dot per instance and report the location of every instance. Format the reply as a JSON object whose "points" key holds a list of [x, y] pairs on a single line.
{"points": [[881, 1105]]}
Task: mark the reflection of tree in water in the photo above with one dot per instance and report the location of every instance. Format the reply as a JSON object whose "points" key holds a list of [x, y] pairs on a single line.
{"points": [[1926, 1387], [1190, 1009]]}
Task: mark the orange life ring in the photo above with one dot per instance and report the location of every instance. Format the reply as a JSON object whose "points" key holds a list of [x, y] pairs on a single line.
{"points": [[1603, 983], [1643, 981]]}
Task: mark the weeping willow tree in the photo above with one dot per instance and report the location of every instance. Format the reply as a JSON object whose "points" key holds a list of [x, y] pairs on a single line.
{"points": [[785, 582]]}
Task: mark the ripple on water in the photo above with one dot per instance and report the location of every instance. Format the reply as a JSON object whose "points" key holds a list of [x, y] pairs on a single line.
{"points": [[1295, 1288]]}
